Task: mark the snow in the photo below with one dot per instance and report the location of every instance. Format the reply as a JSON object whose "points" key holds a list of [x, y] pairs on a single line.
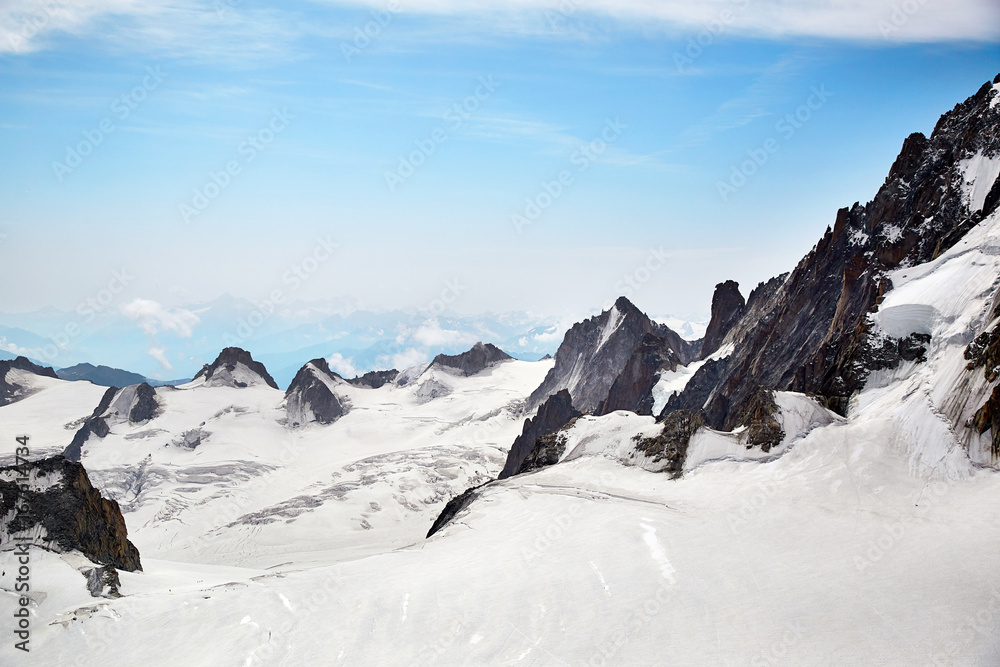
{"points": [[615, 319], [905, 319], [797, 414], [672, 382], [612, 435], [979, 173], [996, 96], [49, 417]]}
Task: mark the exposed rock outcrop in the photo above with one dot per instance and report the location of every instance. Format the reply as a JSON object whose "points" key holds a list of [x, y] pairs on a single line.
{"points": [[454, 506], [672, 443], [473, 361], [311, 397], [53, 503], [552, 415], [234, 367], [548, 449], [10, 390], [760, 417], [375, 379]]}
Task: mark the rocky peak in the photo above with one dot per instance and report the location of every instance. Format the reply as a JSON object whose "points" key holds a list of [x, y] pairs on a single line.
{"points": [[312, 397], [473, 361], [727, 307], [595, 353], [53, 503], [234, 367]]}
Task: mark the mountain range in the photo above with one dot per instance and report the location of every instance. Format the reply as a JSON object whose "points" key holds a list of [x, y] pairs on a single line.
{"points": [[811, 481]]}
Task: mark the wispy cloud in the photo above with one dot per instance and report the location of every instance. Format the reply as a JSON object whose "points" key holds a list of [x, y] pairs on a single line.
{"points": [[153, 317], [197, 30]]}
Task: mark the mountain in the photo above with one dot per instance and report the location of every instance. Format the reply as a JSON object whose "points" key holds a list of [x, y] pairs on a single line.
{"points": [[312, 395], [234, 367], [608, 356], [810, 331], [104, 376], [821, 330], [476, 360]]}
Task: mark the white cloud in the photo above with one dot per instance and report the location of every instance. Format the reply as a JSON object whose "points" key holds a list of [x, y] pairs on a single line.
{"points": [[160, 355], [154, 317], [13, 348], [430, 334], [408, 358], [553, 336], [345, 367]]}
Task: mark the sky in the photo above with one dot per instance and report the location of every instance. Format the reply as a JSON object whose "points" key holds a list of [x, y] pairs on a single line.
{"points": [[529, 155]]}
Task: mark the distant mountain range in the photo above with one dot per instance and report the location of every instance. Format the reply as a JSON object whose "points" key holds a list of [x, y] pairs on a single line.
{"points": [[157, 343]]}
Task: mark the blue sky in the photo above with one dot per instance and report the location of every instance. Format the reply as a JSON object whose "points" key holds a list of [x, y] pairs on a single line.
{"points": [[331, 116]]}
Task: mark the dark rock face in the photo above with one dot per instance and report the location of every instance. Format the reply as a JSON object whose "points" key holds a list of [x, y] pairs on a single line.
{"points": [[988, 417], [727, 307], [672, 443], [11, 392], [810, 332], [475, 360], [633, 388], [309, 399], [144, 405], [69, 509], [454, 506], [375, 379], [103, 376], [553, 414], [597, 351], [548, 449], [227, 361]]}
